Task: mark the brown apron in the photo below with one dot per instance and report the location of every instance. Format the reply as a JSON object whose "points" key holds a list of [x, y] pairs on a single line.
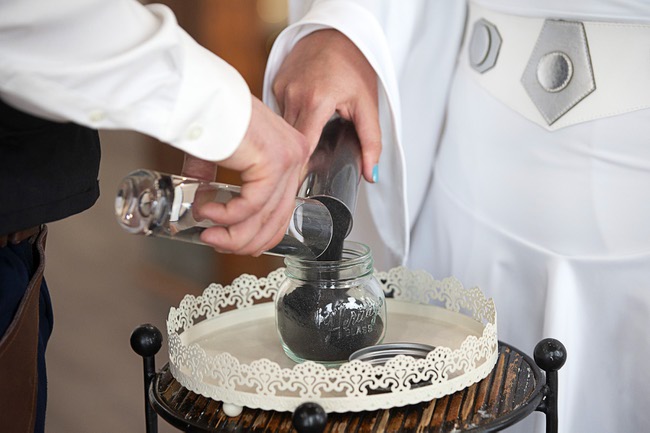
{"points": [[18, 356]]}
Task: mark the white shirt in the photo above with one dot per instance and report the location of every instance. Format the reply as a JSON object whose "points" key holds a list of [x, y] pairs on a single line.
{"points": [[116, 64]]}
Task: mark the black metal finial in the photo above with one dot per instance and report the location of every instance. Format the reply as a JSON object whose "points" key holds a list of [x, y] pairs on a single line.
{"points": [[146, 340], [550, 354], [309, 418]]}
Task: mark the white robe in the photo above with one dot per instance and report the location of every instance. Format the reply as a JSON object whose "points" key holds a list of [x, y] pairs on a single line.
{"points": [[555, 226]]}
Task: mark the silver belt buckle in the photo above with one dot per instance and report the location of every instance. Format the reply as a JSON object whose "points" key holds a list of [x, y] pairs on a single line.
{"points": [[558, 74]]}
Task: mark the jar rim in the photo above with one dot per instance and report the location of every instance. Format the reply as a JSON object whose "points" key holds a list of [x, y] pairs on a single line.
{"points": [[358, 254]]}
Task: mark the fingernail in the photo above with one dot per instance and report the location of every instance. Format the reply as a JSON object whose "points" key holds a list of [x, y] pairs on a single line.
{"points": [[375, 173]]}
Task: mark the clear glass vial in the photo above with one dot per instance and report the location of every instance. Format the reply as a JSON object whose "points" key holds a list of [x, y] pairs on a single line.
{"points": [[159, 204], [326, 310]]}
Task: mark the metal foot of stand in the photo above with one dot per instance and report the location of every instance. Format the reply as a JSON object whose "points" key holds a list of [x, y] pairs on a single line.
{"points": [[550, 356], [146, 341]]}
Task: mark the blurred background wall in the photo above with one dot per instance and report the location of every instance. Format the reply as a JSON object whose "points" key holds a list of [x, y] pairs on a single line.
{"points": [[104, 282]]}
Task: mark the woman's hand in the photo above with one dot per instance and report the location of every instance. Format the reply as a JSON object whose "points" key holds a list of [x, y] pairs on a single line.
{"points": [[324, 74]]}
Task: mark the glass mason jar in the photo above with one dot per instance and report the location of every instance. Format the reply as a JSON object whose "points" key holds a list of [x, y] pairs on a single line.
{"points": [[326, 310]]}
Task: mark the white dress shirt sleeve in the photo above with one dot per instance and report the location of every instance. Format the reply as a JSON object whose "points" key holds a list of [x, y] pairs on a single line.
{"points": [[116, 64]]}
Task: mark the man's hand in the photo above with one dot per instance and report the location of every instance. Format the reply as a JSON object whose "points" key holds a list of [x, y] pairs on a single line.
{"points": [[270, 160], [325, 73]]}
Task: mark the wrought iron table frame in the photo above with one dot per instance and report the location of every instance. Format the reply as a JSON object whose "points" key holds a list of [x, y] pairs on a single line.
{"points": [[549, 354]]}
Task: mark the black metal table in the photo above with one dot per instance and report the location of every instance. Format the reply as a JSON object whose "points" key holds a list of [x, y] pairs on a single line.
{"points": [[514, 389]]}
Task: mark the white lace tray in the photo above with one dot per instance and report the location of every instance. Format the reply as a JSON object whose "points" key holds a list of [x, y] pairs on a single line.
{"points": [[224, 345]]}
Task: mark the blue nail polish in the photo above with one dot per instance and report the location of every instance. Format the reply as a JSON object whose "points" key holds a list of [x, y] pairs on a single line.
{"points": [[375, 173]]}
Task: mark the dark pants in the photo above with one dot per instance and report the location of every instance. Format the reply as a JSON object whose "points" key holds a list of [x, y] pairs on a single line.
{"points": [[17, 266]]}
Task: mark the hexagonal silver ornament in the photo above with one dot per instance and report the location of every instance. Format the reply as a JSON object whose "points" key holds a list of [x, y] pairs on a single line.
{"points": [[484, 45], [558, 74]]}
